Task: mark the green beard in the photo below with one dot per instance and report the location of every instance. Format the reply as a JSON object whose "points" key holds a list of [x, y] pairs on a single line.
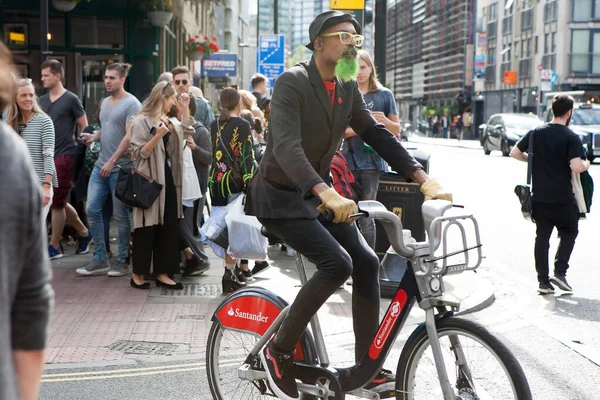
{"points": [[347, 66]]}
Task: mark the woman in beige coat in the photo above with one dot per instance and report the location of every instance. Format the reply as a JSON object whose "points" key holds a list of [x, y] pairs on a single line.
{"points": [[157, 146]]}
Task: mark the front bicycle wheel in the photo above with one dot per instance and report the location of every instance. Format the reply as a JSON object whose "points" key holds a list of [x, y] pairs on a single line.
{"points": [[479, 366]]}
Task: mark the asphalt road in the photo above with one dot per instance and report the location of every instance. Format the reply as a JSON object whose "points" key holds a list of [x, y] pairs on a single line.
{"points": [[554, 337]]}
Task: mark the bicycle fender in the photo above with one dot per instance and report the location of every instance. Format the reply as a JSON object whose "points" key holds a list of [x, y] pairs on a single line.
{"points": [[253, 310], [422, 325]]}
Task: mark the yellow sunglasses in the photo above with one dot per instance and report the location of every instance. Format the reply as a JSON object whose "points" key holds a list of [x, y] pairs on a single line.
{"points": [[347, 37]]}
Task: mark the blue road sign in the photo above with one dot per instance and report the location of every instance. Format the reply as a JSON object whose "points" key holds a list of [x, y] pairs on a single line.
{"points": [[271, 56], [554, 78]]}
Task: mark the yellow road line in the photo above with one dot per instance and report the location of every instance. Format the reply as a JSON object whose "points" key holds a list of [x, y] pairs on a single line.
{"points": [[89, 378], [118, 371]]}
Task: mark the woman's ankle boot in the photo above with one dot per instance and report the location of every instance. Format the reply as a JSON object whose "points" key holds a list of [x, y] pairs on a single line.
{"points": [[230, 282]]}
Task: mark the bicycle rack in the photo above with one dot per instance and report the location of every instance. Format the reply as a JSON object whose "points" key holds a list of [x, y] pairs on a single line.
{"points": [[438, 234]]}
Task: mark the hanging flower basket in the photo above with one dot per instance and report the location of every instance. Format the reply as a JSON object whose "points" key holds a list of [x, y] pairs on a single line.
{"points": [[195, 55], [196, 47], [159, 18], [64, 5]]}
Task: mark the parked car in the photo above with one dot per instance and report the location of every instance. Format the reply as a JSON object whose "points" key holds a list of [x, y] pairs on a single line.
{"points": [[585, 123], [503, 131], [423, 126]]}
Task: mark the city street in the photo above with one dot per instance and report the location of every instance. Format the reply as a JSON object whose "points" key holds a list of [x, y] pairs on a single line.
{"points": [[555, 337]]}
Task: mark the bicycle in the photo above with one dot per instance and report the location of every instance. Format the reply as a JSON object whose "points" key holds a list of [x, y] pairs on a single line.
{"points": [[438, 361]]}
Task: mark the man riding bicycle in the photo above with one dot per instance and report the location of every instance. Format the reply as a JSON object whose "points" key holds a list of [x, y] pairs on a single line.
{"points": [[312, 105]]}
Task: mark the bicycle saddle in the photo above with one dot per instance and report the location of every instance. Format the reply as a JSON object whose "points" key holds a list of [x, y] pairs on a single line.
{"points": [[273, 238]]}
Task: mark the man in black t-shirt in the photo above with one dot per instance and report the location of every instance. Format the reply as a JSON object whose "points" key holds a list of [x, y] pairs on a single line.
{"points": [[67, 113], [557, 151]]}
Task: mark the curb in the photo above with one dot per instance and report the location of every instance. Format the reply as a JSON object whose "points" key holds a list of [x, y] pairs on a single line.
{"points": [[443, 143]]}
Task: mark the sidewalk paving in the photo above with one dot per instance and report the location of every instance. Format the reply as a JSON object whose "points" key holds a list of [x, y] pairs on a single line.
{"points": [[102, 319], [465, 144]]}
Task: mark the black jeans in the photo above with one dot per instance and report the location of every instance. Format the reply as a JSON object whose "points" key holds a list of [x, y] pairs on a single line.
{"points": [[159, 245], [565, 217], [338, 251]]}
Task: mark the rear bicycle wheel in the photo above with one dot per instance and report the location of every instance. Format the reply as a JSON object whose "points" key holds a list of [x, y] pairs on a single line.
{"points": [[489, 370], [226, 351]]}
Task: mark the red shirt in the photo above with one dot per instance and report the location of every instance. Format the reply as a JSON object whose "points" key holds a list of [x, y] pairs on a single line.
{"points": [[330, 87]]}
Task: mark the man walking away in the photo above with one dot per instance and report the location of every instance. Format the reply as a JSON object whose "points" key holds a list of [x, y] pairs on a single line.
{"points": [[445, 126], [260, 88], [556, 152], [183, 82], [66, 111], [24, 270], [116, 113]]}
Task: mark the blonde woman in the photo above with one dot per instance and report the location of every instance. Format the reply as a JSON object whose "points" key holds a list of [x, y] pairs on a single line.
{"points": [[248, 102], [157, 146], [362, 160], [36, 128]]}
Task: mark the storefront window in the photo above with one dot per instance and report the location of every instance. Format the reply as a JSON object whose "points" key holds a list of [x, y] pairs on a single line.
{"points": [[28, 24], [98, 33]]}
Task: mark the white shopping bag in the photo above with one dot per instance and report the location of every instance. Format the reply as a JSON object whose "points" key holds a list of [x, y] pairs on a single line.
{"points": [[245, 238]]}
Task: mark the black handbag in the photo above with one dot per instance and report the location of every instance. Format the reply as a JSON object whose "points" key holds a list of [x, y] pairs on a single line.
{"points": [[136, 189], [523, 192]]}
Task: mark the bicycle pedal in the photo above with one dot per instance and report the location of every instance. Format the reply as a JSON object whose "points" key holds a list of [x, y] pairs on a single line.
{"points": [[366, 394]]}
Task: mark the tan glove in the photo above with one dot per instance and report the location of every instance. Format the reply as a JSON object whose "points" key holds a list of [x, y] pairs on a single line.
{"points": [[433, 190], [342, 207]]}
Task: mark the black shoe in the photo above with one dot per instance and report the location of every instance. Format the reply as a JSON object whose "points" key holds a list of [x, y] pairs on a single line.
{"points": [[230, 282], [150, 277], [195, 266], [239, 274], [248, 275], [175, 286], [545, 288], [283, 247], [280, 372], [561, 282], [260, 266], [383, 384], [144, 286]]}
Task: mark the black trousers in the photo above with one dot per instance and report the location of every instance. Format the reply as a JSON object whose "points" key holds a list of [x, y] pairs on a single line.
{"points": [[159, 245], [565, 217], [186, 226], [338, 251]]}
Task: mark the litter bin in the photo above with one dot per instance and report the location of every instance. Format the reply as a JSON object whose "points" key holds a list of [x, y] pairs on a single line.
{"points": [[405, 200]]}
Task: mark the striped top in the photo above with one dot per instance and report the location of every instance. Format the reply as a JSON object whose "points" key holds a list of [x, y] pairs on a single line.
{"points": [[38, 134]]}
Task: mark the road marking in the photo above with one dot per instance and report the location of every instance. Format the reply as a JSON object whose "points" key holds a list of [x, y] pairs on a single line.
{"points": [[91, 378], [118, 371]]}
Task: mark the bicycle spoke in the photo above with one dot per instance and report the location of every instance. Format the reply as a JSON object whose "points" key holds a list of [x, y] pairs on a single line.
{"points": [[231, 350]]}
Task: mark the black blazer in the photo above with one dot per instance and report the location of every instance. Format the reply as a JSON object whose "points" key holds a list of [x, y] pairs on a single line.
{"points": [[306, 131]]}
